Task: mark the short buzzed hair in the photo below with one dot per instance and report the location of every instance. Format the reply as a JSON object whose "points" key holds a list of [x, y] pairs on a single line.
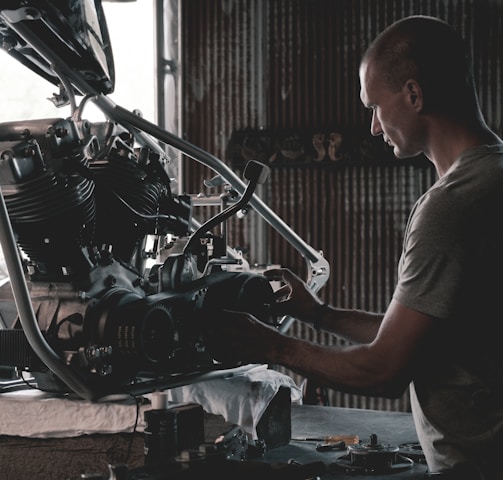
{"points": [[430, 51]]}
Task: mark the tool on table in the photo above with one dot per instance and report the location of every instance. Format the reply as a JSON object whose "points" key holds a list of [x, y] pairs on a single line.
{"points": [[326, 447], [330, 439]]}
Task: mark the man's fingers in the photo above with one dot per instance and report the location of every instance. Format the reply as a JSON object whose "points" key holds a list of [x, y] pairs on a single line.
{"points": [[274, 274], [282, 293], [279, 274]]}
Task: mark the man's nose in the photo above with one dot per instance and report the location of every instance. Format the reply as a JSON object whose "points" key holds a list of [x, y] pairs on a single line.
{"points": [[375, 125]]}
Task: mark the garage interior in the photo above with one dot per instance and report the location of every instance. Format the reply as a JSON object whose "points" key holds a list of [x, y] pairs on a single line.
{"points": [[276, 81]]}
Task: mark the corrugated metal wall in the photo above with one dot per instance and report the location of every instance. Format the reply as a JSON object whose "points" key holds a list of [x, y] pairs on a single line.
{"points": [[294, 63], [290, 66]]}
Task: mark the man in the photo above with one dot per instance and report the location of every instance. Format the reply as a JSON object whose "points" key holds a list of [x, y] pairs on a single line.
{"points": [[440, 332]]}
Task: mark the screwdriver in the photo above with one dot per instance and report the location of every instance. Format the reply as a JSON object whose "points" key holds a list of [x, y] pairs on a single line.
{"points": [[325, 447]]}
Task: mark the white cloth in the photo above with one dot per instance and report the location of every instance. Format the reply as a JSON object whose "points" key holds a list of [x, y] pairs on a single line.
{"points": [[240, 399], [34, 414]]}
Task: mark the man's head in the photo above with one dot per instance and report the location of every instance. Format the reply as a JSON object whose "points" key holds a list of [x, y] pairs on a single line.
{"points": [[430, 51], [418, 65]]}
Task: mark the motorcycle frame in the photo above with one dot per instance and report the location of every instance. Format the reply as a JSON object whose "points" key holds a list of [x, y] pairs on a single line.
{"points": [[146, 134]]}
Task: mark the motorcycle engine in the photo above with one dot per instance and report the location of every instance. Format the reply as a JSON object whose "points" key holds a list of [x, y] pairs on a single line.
{"points": [[101, 237]]}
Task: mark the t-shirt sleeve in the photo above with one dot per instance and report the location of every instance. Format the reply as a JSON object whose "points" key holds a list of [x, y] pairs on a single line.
{"points": [[430, 272]]}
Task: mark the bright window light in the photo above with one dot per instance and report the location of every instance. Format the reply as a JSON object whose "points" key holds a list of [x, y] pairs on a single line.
{"points": [[24, 95]]}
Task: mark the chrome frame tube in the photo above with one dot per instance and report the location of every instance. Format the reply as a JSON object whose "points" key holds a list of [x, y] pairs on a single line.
{"points": [[147, 133]]}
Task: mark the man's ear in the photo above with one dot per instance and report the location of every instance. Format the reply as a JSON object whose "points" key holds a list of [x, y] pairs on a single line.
{"points": [[415, 94]]}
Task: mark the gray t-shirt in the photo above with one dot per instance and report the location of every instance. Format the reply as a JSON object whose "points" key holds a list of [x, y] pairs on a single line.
{"points": [[452, 269]]}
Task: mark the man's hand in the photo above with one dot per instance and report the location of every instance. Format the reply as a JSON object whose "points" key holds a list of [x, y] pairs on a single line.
{"points": [[239, 336], [294, 298]]}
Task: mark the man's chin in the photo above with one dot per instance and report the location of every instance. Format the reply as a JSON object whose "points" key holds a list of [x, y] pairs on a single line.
{"points": [[401, 154]]}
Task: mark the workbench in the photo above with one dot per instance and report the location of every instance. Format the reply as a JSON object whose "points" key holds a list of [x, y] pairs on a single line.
{"points": [[313, 422], [68, 458]]}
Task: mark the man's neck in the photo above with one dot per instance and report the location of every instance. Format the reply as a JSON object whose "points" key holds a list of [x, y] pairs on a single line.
{"points": [[449, 139]]}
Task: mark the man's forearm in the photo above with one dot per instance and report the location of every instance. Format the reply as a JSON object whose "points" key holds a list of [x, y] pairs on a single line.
{"points": [[352, 369], [356, 326]]}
